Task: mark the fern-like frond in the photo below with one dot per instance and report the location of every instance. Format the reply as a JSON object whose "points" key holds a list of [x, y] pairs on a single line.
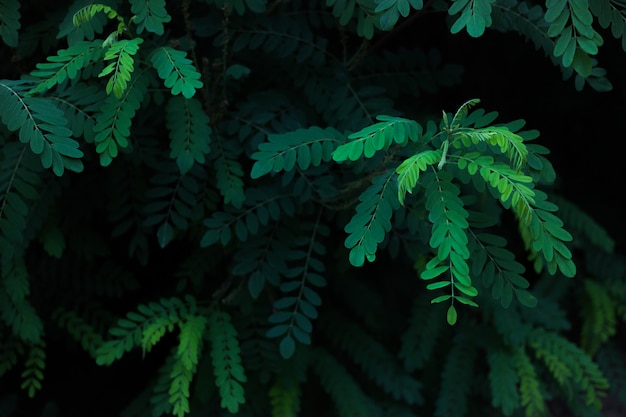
{"points": [[228, 171], [85, 30], [348, 397], [302, 148], [373, 357], [369, 225], [611, 15], [226, 357], [79, 328], [261, 260], [509, 143], [150, 15], [528, 20], [185, 363], [499, 270], [65, 65], [10, 350], [144, 327], [190, 132], [376, 137], [10, 22], [262, 207], [571, 23], [122, 66], [541, 230], [20, 184], [599, 313], [114, 120], [42, 125], [410, 169], [569, 365], [87, 13], [176, 71], [171, 200], [503, 380], [34, 366], [449, 238], [79, 103], [456, 378], [531, 395], [294, 311], [17, 311], [285, 399], [421, 335], [159, 397]]}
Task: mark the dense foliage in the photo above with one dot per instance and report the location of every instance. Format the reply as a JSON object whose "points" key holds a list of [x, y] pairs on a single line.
{"points": [[247, 207]]}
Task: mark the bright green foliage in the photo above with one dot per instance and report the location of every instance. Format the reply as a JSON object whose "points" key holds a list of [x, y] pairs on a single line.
{"points": [[121, 67], [87, 13], [142, 328], [376, 137], [186, 361], [449, 239], [410, 169], [261, 206], [66, 65]]}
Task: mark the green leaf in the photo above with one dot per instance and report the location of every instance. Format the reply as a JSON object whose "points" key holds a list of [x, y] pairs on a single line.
{"points": [[287, 347], [451, 315]]}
